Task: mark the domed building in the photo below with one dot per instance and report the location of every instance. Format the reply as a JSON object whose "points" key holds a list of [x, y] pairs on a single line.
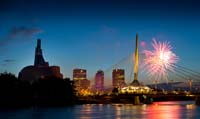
{"points": [[40, 69]]}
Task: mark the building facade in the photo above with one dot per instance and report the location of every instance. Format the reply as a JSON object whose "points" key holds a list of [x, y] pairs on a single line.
{"points": [[80, 79], [118, 78], [99, 80]]}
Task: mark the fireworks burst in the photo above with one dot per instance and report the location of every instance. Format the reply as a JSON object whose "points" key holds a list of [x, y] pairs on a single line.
{"points": [[161, 60]]}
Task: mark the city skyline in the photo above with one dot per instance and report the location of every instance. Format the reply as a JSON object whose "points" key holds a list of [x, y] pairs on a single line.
{"points": [[95, 34]]}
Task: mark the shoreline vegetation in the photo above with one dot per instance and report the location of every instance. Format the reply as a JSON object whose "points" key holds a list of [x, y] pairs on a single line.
{"points": [[48, 91], [56, 92]]}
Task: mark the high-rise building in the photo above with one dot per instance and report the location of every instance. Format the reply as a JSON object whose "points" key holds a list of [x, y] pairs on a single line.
{"points": [[40, 69], [80, 79], [118, 78], [79, 74], [99, 80]]}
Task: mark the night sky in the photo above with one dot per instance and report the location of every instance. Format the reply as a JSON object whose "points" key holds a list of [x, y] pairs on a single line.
{"points": [[95, 34]]}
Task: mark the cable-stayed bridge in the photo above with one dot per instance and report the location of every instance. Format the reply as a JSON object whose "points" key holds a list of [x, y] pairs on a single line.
{"points": [[177, 77], [177, 82], [178, 74]]}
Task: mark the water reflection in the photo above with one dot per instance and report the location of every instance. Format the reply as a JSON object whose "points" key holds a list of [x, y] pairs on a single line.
{"points": [[159, 110], [163, 112]]}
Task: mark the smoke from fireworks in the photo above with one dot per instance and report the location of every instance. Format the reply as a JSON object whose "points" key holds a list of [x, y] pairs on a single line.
{"points": [[160, 60]]}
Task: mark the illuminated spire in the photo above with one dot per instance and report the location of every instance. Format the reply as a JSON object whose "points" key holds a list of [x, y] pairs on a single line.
{"points": [[136, 61]]}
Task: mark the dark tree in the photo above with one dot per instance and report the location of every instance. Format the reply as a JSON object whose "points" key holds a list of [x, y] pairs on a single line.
{"points": [[52, 91], [48, 91], [14, 92]]}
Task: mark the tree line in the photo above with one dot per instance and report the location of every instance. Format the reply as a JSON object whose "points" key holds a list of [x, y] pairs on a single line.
{"points": [[48, 91]]}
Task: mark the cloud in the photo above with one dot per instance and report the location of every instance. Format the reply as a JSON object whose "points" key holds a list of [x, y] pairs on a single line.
{"points": [[23, 31], [8, 60], [20, 34]]}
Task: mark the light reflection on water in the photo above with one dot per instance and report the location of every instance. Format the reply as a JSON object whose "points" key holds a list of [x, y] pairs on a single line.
{"points": [[158, 110]]}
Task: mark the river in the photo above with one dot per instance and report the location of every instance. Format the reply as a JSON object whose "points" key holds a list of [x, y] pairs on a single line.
{"points": [[157, 110]]}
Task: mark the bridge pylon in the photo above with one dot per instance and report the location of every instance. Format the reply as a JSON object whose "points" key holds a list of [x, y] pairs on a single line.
{"points": [[136, 63]]}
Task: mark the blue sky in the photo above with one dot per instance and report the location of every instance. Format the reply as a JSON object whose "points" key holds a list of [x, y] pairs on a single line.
{"points": [[95, 34]]}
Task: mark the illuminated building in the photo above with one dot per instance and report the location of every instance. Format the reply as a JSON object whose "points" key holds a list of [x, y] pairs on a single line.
{"points": [[118, 78], [79, 74], [135, 90], [99, 80], [80, 79], [40, 69]]}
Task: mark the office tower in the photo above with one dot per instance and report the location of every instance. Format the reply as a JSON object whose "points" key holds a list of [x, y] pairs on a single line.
{"points": [[118, 78], [99, 80]]}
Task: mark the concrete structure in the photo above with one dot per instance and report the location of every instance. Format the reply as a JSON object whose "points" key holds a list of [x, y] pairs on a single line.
{"points": [[118, 78], [39, 59], [80, 79], [40, 69], [99, 80], [136, 62]]}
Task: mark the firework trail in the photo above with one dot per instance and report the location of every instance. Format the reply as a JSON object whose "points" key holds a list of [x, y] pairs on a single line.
{"points": [[160, 60]]}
